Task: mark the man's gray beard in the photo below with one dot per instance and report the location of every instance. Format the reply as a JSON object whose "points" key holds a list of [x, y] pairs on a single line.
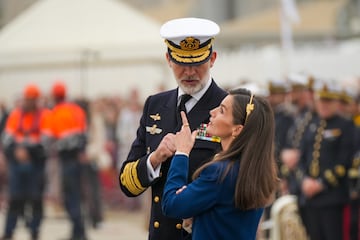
{"points": [[193, 90]]}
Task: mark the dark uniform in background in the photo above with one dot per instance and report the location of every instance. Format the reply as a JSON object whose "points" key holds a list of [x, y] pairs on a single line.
{"points": [[350, 106], [160, 118], [90, 176], [26, 157], [278, 91], [326, 151], [302, 101]]}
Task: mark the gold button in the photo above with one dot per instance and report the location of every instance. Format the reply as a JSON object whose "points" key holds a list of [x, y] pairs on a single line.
{"points": [[156, 199], [178, 226], [160, 174], [156, 224]]}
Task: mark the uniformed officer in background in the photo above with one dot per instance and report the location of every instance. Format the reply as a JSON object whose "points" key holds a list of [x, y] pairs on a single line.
{"points": [[190, 56], [68, 130], [279, 101], [326, 151], [25, 153], [349, 108], [301, 97]]}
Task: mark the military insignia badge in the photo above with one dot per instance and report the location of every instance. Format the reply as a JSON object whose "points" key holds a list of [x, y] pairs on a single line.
{"points": [[203, 135], [332, 133], [155, 117], [153, 130], [190, 44]]}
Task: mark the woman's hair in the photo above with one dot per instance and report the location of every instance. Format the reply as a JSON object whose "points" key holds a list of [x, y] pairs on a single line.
{"points": [[254, 148]]}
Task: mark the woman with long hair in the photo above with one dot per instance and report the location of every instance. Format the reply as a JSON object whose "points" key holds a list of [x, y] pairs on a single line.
{"points": [[228, 194]]}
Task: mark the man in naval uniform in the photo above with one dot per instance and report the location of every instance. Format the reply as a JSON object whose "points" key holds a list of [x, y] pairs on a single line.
{"points": [[190, 56]]}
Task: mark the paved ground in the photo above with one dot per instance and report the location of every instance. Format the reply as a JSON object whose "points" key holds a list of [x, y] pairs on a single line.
{"points": [[118, 225]]}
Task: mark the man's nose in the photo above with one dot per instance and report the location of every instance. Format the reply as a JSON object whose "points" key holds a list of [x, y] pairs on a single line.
{"points": [[189, 70]]}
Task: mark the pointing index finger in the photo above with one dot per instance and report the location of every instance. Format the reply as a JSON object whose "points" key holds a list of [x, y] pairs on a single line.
{"points": [[184, 119]]}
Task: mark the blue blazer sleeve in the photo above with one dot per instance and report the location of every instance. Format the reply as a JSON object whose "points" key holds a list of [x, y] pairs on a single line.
{"points": [[199, 196]]}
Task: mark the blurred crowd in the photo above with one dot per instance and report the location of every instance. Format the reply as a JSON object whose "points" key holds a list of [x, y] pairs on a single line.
{"points": [[95, 135], [317, 147]]}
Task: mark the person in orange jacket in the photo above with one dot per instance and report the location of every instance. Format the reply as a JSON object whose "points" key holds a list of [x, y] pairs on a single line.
{"points": [[68, 129], [25, 153]]}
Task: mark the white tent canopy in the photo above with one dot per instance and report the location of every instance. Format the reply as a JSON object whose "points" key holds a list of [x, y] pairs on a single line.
{"points": [[68, 38], [75, 25]]}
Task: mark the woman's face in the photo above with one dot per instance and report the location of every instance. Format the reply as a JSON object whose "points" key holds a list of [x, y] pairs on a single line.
{"points": [[221, 120]]}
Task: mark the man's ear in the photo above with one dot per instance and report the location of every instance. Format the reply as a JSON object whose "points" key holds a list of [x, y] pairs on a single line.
{"points": [[213, 58], [168, 59]]}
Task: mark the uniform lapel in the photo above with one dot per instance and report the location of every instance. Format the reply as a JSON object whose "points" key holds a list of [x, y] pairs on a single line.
{"points": [[169, 112]]}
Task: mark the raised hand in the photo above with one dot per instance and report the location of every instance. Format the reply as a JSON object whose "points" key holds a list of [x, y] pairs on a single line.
{"points": [[185, 139]]}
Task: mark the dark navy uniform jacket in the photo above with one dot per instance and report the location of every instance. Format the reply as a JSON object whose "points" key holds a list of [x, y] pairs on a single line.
{"points": [[158, 119], [294, 138], [326, 155], [283, 122]]}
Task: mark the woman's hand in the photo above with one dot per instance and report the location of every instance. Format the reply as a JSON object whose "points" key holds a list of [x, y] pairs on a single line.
{"points": [[185, 139]]}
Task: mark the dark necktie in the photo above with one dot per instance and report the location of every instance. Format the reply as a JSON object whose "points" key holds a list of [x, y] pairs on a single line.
{"points": [[183, 99]]}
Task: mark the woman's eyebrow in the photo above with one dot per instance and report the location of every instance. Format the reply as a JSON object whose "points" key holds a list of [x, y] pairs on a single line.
{"points": [[223, 106]]}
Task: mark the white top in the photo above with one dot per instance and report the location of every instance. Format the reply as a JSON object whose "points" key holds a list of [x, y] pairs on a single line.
{"points": [[178, 29]]}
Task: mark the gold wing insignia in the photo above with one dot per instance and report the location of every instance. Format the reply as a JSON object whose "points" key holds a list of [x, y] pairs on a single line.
{"points": [[153, 130], [155, 117]]}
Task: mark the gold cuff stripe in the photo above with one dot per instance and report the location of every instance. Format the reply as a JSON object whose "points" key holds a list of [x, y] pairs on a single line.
{"points": [[130, 179], [132, 182]]}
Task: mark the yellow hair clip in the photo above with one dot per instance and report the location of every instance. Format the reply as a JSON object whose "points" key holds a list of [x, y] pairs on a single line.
{"points": [[249, 107]]}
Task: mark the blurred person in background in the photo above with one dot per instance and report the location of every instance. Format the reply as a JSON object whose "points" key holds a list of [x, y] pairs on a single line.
{"points": [[90, 168], [127, 124], [3, 116], [3, 168], [302, 100], [349, 108], [278, 98], [98, 159], [110, 108], [326, 151], [25, 153], [190, 56], [68, 130]]}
